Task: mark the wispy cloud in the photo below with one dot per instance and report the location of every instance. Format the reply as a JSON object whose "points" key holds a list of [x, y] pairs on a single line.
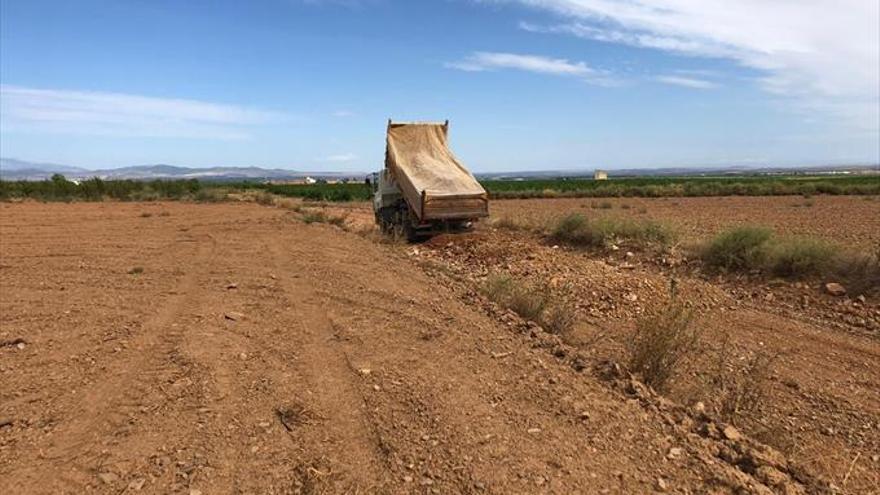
{"points": [[490, 61], [341, 158], [818, 53], [119, 114], [687, 82]]}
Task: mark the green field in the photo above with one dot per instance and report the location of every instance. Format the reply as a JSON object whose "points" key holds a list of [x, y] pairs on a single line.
{"points": [[60, 189]]}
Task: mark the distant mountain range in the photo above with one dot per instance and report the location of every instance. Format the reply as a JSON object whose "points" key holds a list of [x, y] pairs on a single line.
{"points": [[12, 169]]}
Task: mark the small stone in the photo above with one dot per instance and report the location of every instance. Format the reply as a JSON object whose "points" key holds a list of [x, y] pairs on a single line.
{"points": [[108, 478], [674, 453], [195, 492], [137, 484], [20, 346], [585, 415], [699, 408], [662, 485], [232, 315], [631, 297], [835, 289], [377, 388], [629, 254], [407, 479], [731, 433], [365, 371], [534, 431], [231, 286]]}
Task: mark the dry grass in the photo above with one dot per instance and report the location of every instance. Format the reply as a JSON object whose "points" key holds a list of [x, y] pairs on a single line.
{"points": [[530, 302], [742, 389], [660, 343]]}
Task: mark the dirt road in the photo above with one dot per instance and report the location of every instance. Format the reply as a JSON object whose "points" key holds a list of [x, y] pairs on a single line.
{"points": [[181, 348]]}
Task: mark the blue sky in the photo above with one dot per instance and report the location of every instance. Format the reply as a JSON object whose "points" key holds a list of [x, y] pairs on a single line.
{"points": [[526, 84]]}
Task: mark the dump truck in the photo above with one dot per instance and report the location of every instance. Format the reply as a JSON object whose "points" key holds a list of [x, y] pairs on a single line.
{"points": [[424, 189]]}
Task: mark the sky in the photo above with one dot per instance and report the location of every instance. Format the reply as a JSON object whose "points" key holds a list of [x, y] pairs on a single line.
{"points": [[526, 84]]}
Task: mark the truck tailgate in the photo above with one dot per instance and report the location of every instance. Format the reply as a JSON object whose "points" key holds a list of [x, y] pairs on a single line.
{"points": [[436, 185]]}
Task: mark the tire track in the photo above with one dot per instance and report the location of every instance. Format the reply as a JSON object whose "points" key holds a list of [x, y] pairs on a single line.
{"points": [[350, 441], [131, 381]]}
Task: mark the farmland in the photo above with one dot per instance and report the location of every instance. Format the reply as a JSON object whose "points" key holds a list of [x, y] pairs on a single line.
{"points": [[60, 189], [172, 346]]}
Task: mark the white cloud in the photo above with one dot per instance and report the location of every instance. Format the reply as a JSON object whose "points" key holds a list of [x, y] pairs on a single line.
{"points": [[687, 82], [489, 61], [480, 61], [823, 54], [341, 158], [118, 114]]}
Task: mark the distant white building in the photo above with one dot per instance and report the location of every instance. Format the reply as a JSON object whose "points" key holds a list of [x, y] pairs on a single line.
{"points": [[309, 180], [600, 175]]}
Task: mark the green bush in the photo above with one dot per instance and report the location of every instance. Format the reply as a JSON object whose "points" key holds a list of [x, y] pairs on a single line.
{"points": [[742, 248]]}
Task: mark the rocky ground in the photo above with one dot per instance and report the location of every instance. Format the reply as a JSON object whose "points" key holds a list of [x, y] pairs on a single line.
{"points": [[232, 348]]}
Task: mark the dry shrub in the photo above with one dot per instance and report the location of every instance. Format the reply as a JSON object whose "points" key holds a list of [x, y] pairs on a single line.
{"points": [[522, 300], [507, 223], [741, 385], [859, 271], [576, 230], [264, 198], [742, 248], [337, 220], [530, 302], [526, 303], [558, 319], [314, 217], [660, 343], [800, 257], [755, 248]]}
